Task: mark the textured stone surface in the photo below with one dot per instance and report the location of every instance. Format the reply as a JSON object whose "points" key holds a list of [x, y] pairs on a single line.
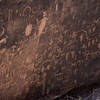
{"points": [[48, 47]]}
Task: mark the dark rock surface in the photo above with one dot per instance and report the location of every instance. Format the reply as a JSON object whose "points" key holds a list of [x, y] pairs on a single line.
{"points": [[48, 47]]}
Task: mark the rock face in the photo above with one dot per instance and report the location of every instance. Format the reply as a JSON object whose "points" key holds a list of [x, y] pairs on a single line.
{"points": [[48, 47]]}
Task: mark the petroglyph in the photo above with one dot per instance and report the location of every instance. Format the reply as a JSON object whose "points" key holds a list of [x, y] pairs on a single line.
{"points": [[42, 24], [28, 30]]}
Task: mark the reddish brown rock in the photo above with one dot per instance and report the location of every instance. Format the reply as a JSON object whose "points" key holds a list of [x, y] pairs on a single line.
{"points": [[48, 47]]}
